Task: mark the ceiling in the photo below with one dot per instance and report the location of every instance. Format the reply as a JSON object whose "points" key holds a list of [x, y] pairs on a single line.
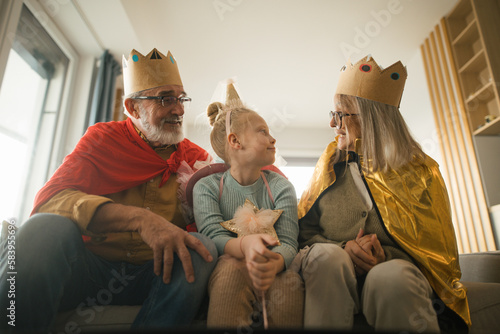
{"points": [[284, 54]]}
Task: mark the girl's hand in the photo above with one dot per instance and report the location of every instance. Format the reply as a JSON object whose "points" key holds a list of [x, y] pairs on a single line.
{"points": [[262, 263]]}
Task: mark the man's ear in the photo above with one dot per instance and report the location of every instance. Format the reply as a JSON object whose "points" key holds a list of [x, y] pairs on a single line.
{"points": [[130, 105], [233, 140]]}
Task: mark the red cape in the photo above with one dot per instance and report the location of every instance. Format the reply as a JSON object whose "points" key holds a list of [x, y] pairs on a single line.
{"points": [[112, 157]]}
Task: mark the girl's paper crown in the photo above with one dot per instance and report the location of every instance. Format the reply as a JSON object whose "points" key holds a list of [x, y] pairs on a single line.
{"points": [[367, 80], [150, 71]]}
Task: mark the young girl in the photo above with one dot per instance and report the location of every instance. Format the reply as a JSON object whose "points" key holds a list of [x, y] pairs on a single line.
{"points": [[254, 264]]}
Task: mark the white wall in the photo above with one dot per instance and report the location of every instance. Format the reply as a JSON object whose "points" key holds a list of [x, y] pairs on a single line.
{"points": [[416, 108], [487, 149]]}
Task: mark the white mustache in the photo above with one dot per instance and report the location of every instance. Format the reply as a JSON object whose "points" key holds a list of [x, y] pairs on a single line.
{"points": [[171, 120]]}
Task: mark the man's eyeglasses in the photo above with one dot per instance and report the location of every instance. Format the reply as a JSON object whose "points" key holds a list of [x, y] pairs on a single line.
{"points": [[338, 115], [167, 101]]}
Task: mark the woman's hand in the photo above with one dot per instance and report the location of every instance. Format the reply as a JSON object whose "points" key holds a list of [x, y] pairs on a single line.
{"points": [[370, 243], [365, 252], [262, 263]]}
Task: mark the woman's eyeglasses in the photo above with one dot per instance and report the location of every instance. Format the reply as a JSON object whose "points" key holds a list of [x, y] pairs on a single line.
{"points": [[338, 115]]}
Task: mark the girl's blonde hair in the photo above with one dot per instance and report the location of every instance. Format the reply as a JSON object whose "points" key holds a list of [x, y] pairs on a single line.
{"points": [[386, 140], [217, 113]]}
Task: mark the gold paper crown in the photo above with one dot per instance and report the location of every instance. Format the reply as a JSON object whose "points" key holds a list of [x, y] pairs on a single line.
{"points": [[231, 97], [231, 94], [150, 71], [367, 80]]}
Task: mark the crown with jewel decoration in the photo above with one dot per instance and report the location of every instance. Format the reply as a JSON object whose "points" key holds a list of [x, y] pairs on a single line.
{"points": [[150, 71], [366, 79]]}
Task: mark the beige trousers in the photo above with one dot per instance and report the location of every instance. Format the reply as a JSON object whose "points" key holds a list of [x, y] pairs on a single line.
{"points": [[395, 296], [233, 301]]}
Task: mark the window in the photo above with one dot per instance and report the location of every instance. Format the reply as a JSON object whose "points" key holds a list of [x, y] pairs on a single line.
{"points": [[30, 101], [299, 171]]}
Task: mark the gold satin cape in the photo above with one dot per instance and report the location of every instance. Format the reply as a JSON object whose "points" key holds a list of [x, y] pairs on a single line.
{"points": [[414, 207]]}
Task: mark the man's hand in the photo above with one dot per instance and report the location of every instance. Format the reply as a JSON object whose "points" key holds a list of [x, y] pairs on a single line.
{"points": [[165, 239], [365, 252], [162, 236], [262, 263]]}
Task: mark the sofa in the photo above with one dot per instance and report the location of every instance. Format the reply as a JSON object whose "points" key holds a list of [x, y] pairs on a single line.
{"points": [[480, 274]]}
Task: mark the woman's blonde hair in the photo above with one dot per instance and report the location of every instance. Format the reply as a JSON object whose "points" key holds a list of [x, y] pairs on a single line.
{"points": [[217, 113], [386, 140]]}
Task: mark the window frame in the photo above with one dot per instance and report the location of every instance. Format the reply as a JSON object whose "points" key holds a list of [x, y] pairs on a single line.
{"points": [[10, 15]]}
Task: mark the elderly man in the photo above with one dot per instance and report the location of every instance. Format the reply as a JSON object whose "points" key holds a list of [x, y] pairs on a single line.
{"points": [[109, 227]]}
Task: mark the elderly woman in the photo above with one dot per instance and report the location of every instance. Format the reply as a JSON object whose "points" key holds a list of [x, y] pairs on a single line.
{"points": [[375, 220]]}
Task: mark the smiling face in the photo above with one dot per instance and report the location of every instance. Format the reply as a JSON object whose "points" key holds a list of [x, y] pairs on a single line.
{"points": [[161, 124], [258, 146], [351, 126]]}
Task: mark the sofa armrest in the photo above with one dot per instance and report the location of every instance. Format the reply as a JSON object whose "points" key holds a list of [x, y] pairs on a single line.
{"points": [[480, 267]]}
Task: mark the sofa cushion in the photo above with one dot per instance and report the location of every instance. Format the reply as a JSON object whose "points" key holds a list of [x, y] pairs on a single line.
{"points": [[477, 268], [480, 267], [484, 306], [101, 318]]}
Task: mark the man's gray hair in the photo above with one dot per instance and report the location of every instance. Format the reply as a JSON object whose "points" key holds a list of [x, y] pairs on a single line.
{"points": [[130, 96]]}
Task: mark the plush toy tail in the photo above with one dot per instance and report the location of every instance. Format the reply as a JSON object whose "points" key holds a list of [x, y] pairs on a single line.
{"points": [[264, 309]]}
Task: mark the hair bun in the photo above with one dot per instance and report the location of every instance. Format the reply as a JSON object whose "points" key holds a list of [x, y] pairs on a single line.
{"points": [[213, 111]]}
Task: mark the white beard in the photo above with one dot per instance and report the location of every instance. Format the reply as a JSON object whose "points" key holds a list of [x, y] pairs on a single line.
{"points": [[156, 133]]}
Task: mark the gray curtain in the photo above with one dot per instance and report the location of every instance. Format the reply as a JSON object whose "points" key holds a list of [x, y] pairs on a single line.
{"points": [[101, 108]]}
